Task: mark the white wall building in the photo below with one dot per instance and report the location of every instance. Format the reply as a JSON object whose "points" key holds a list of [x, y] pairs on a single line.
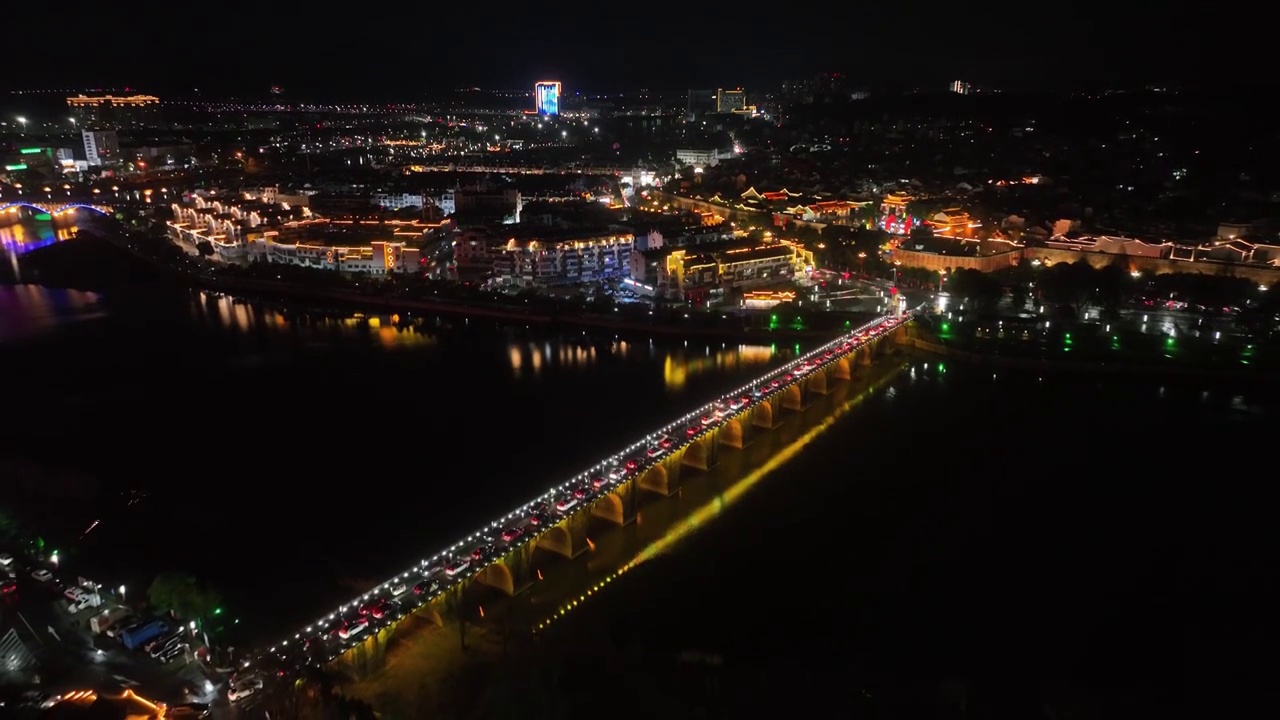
{"points": [[100, 146], [701, 158], [378, 258]]}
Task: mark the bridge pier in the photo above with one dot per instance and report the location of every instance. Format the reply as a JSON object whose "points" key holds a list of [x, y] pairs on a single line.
{"points": [[817, 382], [618, 506], [793, 398], [701, 453], [663, 478], [765, 414]]}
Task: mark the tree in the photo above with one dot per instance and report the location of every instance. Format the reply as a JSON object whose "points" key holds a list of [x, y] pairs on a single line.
{"points": [[977, 287], [183, 595], [1069, 284]]}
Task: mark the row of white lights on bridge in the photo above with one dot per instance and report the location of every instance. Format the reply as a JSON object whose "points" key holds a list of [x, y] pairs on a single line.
{"points": [[550, 495]]}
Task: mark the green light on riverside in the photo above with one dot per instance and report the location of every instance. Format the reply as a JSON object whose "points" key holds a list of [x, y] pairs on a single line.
{"points": [[773, 322], [30, 151], [946, 327], [19, 166], [43, 217], [1168, 342], [217, 611]]}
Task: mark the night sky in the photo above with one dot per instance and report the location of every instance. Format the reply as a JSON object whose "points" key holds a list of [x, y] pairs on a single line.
{"points": [[399, 49]]}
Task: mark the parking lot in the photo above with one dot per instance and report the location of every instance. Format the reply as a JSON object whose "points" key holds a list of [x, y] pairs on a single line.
{"points": [[65, 655]]}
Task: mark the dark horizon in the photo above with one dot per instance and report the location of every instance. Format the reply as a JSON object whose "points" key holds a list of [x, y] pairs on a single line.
{"points": [[402, 54]]}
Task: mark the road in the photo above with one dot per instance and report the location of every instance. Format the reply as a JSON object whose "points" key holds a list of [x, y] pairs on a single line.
{"points": [[69, 657]]}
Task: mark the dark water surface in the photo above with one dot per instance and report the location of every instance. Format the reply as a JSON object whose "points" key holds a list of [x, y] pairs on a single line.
{"points": [[970, 544], [998, 542], [310, 455]]}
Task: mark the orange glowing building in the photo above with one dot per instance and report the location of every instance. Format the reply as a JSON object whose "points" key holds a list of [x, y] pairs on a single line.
{"points": [[895, 204], [953, 222]]}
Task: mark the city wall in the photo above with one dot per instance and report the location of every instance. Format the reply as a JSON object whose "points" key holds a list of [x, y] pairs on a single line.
{"points": [[1263, 275], [1159, 266]]}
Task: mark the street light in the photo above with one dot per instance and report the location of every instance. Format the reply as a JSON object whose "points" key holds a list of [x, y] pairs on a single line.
{"points": [[23, 122], [122, 593]]}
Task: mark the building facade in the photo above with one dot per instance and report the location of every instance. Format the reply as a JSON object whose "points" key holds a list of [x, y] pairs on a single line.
{"points": [[705, 274], [728, 101], [101, 147], [114, 112]]}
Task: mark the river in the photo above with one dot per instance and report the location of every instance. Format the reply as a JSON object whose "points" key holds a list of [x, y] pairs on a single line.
{"points": [[252, 448], [1003, 541], [962, 544]]}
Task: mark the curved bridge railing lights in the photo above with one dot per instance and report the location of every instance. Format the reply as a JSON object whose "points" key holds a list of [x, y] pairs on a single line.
{"points": [[53, 209]]}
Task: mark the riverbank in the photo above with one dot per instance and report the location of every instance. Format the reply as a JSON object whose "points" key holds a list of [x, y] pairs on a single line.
{"points": [[1112, 368], [82, 264]]}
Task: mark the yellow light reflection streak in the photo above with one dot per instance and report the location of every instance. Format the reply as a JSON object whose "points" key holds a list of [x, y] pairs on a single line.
{"points": [[696, 519]]}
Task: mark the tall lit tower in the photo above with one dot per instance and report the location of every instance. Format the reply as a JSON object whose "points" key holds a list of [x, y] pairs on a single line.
{"points": [[546, 97]]}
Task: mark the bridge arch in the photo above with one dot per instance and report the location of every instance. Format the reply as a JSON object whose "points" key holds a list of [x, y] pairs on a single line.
{"points": [[609, 507], [498, 577], [54, 209], [818, 382], [430, 614], [791, 397], [731, 433], [556, 539], [655, 479], [762, 416], [698, 452], [841, 369]]}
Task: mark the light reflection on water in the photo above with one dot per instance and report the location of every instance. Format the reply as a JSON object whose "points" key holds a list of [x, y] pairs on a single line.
{"points": [[390, 331], [26, 236], [30, 310], [679, 365]]}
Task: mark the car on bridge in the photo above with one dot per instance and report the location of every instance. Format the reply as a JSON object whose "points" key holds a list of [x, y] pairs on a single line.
{"points": [[463, 559], [355, 626]]}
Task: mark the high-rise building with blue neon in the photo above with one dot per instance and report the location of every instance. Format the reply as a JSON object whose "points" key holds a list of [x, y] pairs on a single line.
{"points": [[546, 96]]}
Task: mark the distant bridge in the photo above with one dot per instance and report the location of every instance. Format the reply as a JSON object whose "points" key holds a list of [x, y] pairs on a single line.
{"points": [[56, 208]]}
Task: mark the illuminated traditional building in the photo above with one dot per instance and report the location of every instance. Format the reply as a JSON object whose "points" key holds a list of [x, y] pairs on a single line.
{"points": [[826, 211], [895, 204], [763, 299], [953, 222]]}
